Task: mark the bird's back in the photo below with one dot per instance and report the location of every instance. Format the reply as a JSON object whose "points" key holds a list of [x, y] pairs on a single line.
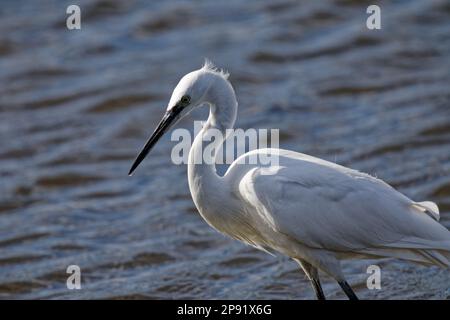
{"points": [[323, 205]]}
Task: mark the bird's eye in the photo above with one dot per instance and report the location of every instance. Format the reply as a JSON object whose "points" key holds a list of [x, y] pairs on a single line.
{"points": [[185, 100]]}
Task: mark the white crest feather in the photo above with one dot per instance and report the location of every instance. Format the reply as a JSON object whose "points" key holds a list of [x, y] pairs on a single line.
{"points": [[208, 65]]}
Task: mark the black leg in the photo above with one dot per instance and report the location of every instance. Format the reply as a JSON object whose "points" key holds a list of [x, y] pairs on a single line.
{"points": [[313, 276], [348, 290], [318, 289]]}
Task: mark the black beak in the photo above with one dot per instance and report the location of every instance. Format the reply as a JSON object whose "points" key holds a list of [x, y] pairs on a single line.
{"points": [[169, 118]]}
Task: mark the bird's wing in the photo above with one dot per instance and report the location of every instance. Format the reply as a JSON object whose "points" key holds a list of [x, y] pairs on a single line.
{"points": [[324, 205]]}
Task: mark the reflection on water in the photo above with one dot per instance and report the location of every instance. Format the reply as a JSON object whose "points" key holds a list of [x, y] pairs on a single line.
{"points": [[76, 106]]}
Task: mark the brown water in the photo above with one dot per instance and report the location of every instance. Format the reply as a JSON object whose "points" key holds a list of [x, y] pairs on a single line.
{"points": [[76, 106]]}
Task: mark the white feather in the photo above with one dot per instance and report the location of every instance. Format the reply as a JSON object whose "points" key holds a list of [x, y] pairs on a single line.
{"points": [[316, 212]]}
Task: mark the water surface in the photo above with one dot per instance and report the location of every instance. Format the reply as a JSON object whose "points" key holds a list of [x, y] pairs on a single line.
{"points": [[76, 106]]}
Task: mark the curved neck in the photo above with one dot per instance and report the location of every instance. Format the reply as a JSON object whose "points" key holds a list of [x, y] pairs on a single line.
{"points": [[202, 174]]}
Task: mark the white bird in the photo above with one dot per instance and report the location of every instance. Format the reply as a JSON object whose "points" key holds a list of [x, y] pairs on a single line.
{"points": [[314, 211]]}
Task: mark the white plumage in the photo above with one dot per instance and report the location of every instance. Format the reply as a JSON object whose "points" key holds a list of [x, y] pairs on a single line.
{"points": [[311, 210]]}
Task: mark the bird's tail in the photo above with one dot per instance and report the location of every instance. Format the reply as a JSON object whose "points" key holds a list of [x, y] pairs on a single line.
{"points": [[440, 258], [422, 251], [434, 249], [429, 245], [424, 256]]}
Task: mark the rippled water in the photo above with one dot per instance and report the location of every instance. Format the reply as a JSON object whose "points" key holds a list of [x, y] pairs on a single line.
{"points": [[76, 106]]}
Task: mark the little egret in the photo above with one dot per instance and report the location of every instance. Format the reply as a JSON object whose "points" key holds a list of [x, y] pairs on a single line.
{"points": [[314, 211]]}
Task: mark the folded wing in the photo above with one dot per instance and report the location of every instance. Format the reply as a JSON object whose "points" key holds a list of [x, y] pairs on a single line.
{"points": [[323, 205]]}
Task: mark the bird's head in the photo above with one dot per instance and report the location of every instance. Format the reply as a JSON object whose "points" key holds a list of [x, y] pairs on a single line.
{"points": [[191, 92]]}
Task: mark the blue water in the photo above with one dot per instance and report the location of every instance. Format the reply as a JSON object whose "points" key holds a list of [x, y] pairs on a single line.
{"points": [[76, 106]]}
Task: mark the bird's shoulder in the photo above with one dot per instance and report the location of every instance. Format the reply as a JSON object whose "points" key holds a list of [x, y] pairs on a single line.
{"points": [[299, 171]]}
